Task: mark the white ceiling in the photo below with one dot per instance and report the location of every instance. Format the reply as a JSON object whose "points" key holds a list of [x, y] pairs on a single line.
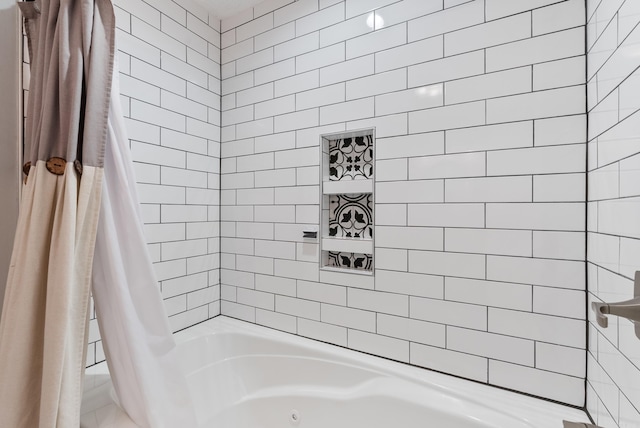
{"points": [[226, 8]]}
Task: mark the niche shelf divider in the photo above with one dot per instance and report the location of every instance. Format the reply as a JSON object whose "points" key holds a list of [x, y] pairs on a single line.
{"points": [[347, 184]]}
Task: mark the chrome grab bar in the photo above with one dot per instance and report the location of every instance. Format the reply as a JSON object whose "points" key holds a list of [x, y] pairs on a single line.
{"points": [[629, 309]]}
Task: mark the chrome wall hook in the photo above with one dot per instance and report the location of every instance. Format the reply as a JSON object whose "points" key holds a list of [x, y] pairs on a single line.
{"points": [[629, 309]]}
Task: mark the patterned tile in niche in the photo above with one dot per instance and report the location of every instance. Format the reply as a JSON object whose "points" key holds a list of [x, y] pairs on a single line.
{"points": [[350, 260], [351, 216], [351, 158]]}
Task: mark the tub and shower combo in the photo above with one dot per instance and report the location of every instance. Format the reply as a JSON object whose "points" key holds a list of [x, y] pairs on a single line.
{"points": [[242, 375]]}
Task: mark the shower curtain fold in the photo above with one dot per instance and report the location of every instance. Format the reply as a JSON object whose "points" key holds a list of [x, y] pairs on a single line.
{"points": [[79, 223]]}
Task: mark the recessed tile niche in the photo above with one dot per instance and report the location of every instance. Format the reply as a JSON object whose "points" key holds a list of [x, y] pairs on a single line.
{"points": [[347, 230]]}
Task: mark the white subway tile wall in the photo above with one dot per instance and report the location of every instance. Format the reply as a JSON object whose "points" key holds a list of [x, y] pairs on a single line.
{"points": [[480, 115], [169, 58], [613, 244]]}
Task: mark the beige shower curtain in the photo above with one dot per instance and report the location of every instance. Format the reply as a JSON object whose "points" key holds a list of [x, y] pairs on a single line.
{"points": [[43, 330]]}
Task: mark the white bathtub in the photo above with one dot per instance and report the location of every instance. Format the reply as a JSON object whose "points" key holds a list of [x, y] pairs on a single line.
{"points": [[245, 376]]}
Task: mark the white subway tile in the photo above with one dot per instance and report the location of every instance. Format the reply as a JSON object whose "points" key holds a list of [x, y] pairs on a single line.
{"points": [[466, 15], [409, 54], [254, 230], [158, 77], [237, 83], [293, 121], [410, 145], [464, 365], [377, 41], [275, 214], [558, 17], [255, 128], [294, 11], [256, 299], [559, 188], [489, 189], [538, 216], [449, 117], [446, 166], [351, 110], [489, 293], [255, 94], [388, 347], [345, 30], [276, 178], [234, 310], [322, 331], [539, 160], [493, 346], [358, 7], [447, 215], [560, 359], [500, 8], [253, 61], [448, 264], [319, 97], [561, 130], [556, 74], [545, 272], [348, 70], [276, 321], [237, 278], [183, 177], [410, 191], [297, 83], [348, 317], [321, 19], [386, 126], [391, 259], [142, 152], [296, 46], [488, 241], [236, 20], [404, 11], [559, 245], [239, 115], [296, 269], [394, 304], [380, 83], [159, 38], [254, 196], [276, 285], [562, 44], [275, 107], [491, 85], [409, 283], [536, 105], [409, 100], [562, 303], [323, 293], [391, 170], [446, 69], [558, 387], [498, 32], [412, 330], [449, 313], [350, 280], [298, 307], [320, 58], [274, 37], [545, 328], [252, 28]]}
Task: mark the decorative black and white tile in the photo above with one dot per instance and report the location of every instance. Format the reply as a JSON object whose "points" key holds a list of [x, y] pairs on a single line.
{"points": [[351, 158], [350, 260], [351, 216]]}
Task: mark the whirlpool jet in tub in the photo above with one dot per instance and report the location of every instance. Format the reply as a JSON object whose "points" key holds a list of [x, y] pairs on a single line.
{"points": [[246, 376]]}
